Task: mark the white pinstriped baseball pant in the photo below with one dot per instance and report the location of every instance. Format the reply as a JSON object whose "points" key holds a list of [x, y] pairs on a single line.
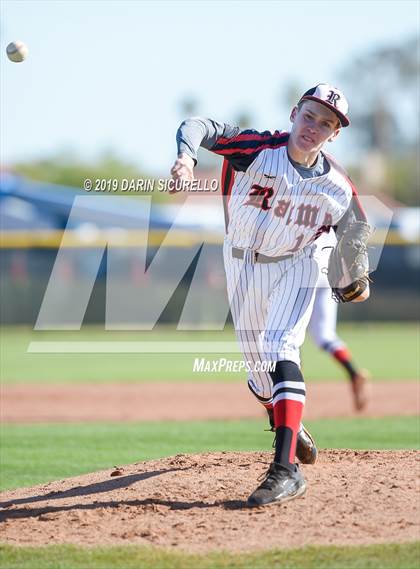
{"points": [[271, 305]]}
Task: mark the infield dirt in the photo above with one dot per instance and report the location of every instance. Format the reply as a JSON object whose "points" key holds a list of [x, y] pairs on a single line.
{"points": [[197, 503], [28, 403]]}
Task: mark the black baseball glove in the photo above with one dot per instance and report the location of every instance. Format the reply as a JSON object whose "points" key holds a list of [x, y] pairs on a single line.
{"points": [[348, 266]]}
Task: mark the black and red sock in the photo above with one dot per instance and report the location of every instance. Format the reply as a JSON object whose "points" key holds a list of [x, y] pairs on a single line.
{"points": [[343, 356], [288, 401]]}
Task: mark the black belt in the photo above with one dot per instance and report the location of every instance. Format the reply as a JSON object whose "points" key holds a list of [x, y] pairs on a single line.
{"points": [[258, 257]]}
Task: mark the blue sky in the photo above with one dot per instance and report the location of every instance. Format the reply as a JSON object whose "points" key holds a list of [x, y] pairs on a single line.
{"points": [[110, 75]]}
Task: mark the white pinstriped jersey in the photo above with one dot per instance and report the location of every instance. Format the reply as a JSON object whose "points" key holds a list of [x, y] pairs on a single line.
{"points": [[275, 211]]}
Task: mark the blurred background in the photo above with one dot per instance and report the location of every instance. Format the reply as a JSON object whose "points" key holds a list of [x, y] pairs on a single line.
{"points": [[100, 96], [105, 87]]}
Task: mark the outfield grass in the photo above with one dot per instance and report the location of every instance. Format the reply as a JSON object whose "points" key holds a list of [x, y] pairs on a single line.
{"points": [[384, 556], [34, 454], [390, 351]]}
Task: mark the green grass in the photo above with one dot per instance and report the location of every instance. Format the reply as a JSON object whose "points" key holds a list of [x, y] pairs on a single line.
{"points": [[34, 454], [384, 556], [390, 351]]}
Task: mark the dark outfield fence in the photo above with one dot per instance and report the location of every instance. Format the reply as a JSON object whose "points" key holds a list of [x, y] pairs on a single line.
{"points": [[27, 261]]}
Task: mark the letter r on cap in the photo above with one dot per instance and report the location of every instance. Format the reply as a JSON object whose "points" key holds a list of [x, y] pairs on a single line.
{"points": [[333, 97]]}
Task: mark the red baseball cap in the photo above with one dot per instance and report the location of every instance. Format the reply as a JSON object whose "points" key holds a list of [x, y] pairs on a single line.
{"points": [[330, 97]]}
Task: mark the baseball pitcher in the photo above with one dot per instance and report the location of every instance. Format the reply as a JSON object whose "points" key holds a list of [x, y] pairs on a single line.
{"points": [[281, 192]]}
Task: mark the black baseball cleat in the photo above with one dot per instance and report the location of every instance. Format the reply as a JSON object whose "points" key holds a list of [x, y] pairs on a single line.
{"points": [[279, 485], [306, 451]]}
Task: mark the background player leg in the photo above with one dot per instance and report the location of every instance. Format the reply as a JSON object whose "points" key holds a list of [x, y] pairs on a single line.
{"points": [[323, 330]]}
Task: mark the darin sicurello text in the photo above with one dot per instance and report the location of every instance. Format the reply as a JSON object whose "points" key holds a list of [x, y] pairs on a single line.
{"points": [[168, 185]]}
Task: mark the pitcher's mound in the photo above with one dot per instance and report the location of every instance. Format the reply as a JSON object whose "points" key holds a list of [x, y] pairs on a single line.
{"points": [[198, 503]]}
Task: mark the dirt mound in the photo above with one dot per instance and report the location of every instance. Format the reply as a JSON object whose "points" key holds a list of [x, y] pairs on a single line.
{"points": [[198, 503]]}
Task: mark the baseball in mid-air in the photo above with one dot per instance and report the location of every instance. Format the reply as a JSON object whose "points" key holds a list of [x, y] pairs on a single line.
{"points": [[17, 51]]}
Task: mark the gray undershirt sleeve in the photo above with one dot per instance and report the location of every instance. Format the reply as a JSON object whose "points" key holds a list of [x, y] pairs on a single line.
{"points": [[198, 131]]}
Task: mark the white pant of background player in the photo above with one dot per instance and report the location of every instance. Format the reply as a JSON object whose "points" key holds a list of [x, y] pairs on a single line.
{"points": [[271, 306], [323, 323]]}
